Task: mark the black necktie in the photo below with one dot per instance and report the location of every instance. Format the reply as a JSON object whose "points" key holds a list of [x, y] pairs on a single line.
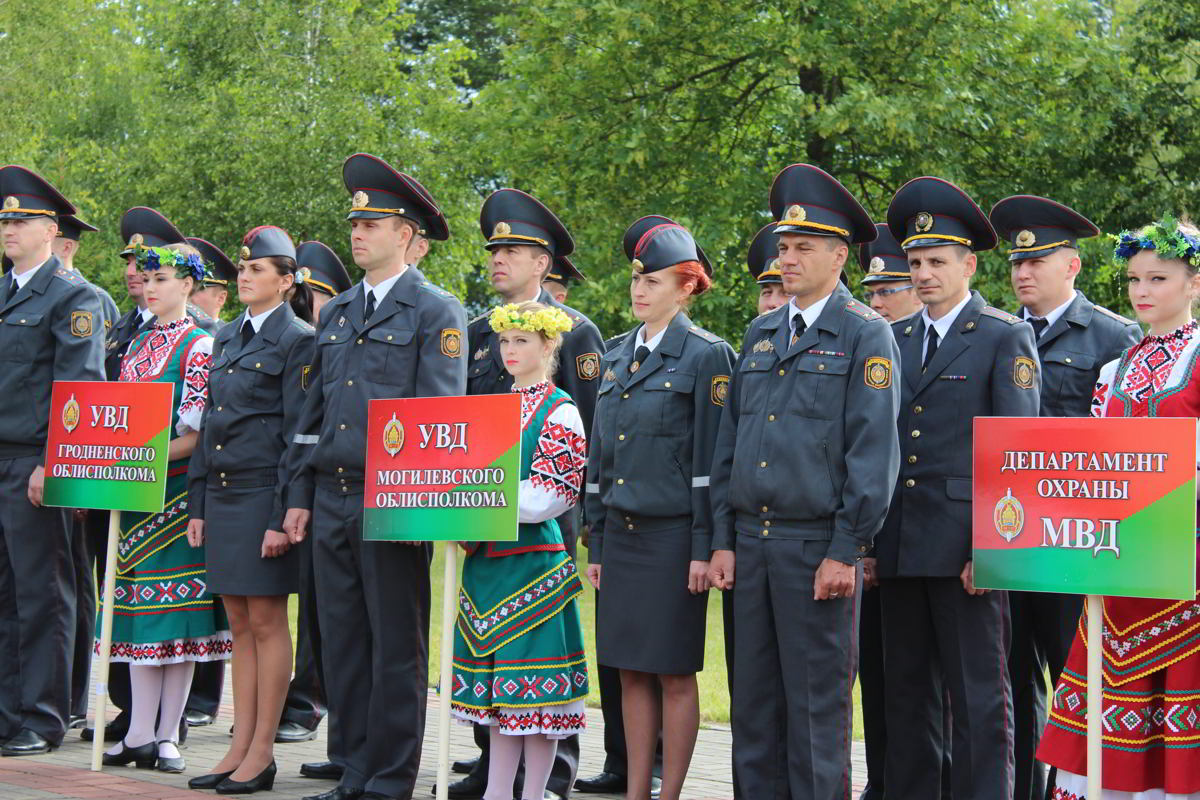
{"points": [[370, 304], [247, 333], [639, 357], [931, 348], [10, 287], [798, 328], [1039, 324]]}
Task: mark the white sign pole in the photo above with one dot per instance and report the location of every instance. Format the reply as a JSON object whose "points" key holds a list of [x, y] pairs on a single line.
{"points": [[449, 617], [106, 617], [1095, 694]]}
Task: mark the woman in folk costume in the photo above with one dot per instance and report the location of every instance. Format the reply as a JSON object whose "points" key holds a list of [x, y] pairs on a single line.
{"points": [[523, 672], [164, 618], [1151, 674]]}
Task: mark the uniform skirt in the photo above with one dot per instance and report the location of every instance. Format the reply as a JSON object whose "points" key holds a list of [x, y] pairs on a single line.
{"points": [[646, 619], [236, 517]]}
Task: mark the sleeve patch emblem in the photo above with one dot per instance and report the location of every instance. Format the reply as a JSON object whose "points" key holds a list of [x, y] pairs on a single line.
{"points": [[878, 373], [1023, 372], [81, 324], [587, 366], [451, 342], [720, 389]]}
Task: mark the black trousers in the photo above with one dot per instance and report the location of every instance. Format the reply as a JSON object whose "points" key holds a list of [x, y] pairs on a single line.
{"points": [[795, 663], [305, 704], [373, 609], [727, 616], [37, 608], [1043, 627], [937, 637]]}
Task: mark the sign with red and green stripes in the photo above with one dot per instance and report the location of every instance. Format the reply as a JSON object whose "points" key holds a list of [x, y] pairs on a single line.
{"points": [[107, 446], [443, 469], [1086, 506]]}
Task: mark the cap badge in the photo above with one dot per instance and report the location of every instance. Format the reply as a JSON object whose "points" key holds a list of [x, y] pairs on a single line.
{"points": [[924, 222], [136, 240], [11, 202], [638, 266], [876, 265], [501, 229], [244, 252], [795, 213], [303, 274], [359, 200], [1025, 239]]}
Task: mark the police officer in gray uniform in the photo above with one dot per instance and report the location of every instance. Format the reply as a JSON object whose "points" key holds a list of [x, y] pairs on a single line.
{"points": [[394, 334], [526, 240], [1074, 339], [801, 482], [960, 359], [562, 275], [213, 291], [70, 230], [51, 328]]}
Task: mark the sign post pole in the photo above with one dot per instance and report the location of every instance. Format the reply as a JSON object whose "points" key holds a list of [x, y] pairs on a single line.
{"points": [[449, 615], [106, 615], [1095, 694]]}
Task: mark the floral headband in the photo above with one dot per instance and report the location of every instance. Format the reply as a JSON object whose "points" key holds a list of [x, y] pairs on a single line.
{"points": [[549, 322], [186, 265], [1164, 238]]}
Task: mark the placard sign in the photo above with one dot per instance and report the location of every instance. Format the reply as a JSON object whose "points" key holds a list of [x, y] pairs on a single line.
{"points": [[107, 445], [1086, 506], [443, 469]]}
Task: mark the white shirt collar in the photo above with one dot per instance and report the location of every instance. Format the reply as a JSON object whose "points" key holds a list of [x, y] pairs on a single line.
{"points": [[381, 289], [1054, 315], [24, 277], [943, 325], [640, 341], [256, 321], [809, 314], [146, 314]]}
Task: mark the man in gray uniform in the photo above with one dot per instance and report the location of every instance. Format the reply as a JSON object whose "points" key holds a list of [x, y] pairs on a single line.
{"points": [[213, 292], [1074, 339], [960, 359], [51, 328], [393, 335], [800, 485], [70, 229]]}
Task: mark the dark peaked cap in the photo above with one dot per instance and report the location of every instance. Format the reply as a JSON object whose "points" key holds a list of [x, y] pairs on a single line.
{"points": [[656, 242], [28, 195], [72, 227], [145, 226], [1036, 226], [221, 271], [327, 273], [808, 200], [511, 217], [379, 190], [883, 259], [932, 212], [763, 257]]}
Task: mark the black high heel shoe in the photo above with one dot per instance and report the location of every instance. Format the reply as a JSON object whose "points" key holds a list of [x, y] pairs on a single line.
{"points": [[210, 781], [262, 782], [143, 757], [174, 765]]}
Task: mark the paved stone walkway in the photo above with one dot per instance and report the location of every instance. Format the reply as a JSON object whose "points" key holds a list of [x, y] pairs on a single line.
{"points": [[65, 772]]}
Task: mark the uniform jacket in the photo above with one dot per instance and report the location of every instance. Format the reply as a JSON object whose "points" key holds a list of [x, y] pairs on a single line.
{"points": [[652, 440], [1072, 351], [806, 449], [410, 347], [985, 367], [255, 395], [52, 329]]}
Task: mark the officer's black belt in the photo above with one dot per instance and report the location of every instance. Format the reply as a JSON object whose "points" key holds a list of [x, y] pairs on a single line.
{"points": [[340, 483], [243, 478], [618, 520]]}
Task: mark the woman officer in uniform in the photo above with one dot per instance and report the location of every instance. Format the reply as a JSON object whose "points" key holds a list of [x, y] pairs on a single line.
{"points": [[660, 401], [238, 492]]}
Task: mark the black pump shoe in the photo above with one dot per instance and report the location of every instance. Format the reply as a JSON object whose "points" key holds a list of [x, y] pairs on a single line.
{"points": [[143, 757], [262, 782], [166, 764], [210, 781]]}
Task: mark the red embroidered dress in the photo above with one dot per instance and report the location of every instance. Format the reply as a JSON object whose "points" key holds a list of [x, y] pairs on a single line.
{"points": [[1151, 725], [163, 612], [519, 659]]}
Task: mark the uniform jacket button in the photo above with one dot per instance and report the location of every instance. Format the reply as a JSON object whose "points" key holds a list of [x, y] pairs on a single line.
{"points": [[770, 418], [910, 483], [621, 437], [764, 509], [782, 372], [218, 447], [916, 434], [766, 532], [620, 481], [918, 409], [342, 426], [360, 341], [762, 463], [350, 383], [912, 459], [341, 470]]}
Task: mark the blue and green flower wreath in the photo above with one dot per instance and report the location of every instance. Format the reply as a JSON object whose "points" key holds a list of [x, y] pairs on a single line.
{"points": [[186, 265], [1164, 237]]}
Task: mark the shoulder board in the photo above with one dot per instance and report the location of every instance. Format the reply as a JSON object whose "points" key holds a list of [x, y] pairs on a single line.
{"points": [[300, 325], [1114, 315], [70, 276], [1003, 316], [481, 318], [707, 336], [861, 309], [439, 291]]}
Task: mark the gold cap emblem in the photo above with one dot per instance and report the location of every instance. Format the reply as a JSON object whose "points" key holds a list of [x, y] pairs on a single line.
{"points": [[359, 200], [244, 252], [11, 202], [795, 213], [1025, 239], [136, 240], [501, 229], [924, 222], [876, 265], [638, 266]]}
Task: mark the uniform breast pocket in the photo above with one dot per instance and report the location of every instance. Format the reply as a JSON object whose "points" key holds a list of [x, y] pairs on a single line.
{"points": [[333, 347], [752, 380], [20, 336], [265, 373], [390, 358], [1070, 375], [821, 386], [669, 405]]}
